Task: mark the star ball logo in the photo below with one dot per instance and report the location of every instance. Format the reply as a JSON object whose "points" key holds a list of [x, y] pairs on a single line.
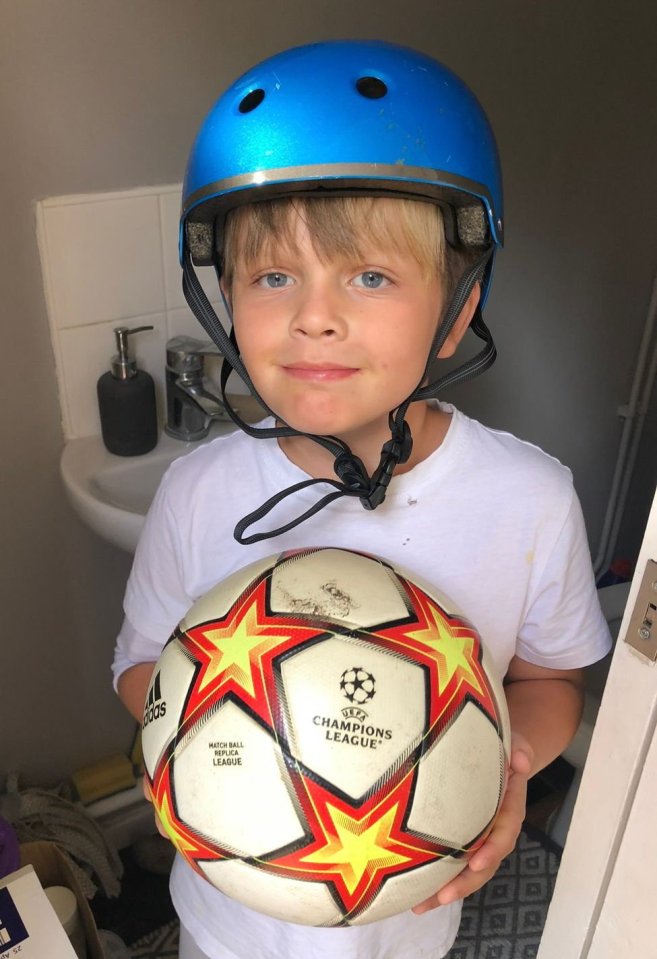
{"points": [[359, 687]]}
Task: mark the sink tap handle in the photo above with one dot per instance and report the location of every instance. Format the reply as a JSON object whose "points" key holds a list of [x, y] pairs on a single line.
{"points": [[185, 353]]}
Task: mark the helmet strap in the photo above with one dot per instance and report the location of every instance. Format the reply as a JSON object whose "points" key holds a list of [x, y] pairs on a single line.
{"points": [[477, 364]]}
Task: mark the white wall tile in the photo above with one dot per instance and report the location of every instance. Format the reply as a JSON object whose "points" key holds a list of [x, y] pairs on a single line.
{"points": [[85, 353], [169, 219], [111, 260], [103, 258], [182, 322]]}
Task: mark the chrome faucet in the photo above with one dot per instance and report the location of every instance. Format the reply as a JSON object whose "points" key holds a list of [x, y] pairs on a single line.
{"points": [[191, 407]]}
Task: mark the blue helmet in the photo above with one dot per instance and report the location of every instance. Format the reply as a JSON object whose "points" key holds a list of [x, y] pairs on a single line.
{"points": [[345, 117]]}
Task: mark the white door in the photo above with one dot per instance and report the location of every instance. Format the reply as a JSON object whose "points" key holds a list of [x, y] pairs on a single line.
{"points": [[604, 904]]}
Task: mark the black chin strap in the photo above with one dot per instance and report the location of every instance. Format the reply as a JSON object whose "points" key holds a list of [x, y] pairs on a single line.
{"points": [[476, 364], [353, 479]]}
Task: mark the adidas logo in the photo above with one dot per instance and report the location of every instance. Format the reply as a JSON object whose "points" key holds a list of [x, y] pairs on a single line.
{"points": [[155, 706]]}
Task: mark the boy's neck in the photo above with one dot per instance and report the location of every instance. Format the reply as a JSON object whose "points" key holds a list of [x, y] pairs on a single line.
{"points": [[428, 425]]}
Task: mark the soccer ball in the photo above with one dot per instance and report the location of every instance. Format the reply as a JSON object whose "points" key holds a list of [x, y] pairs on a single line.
{"points": [[324, 738]]}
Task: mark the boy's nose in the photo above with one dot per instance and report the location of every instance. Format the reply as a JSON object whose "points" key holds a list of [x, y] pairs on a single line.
{"points": [[318, 314]]}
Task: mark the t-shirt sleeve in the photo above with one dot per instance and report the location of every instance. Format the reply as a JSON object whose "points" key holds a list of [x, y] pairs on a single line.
{"points": [[564, 627], [131, 649], [155, 599]]}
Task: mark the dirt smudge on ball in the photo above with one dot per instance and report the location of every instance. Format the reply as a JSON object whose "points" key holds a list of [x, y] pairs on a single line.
{"points": [[329, 601]]}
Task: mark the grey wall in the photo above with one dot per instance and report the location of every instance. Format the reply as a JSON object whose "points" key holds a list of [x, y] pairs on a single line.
{"points": [[101, 96]]}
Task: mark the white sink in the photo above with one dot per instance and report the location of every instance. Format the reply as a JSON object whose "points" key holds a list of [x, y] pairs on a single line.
{"points": [[111, 494]]}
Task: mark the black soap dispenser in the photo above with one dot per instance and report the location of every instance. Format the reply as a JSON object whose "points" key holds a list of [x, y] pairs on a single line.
{"points": [[126, 401]]}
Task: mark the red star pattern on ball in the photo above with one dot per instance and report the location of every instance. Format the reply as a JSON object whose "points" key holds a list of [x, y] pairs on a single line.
{"points": [[355, 849], [188, 843], [235, 653], [451, 649]]}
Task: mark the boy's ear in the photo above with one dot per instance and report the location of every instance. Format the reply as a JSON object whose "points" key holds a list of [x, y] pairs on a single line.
{"points": [[225, 290], [462, 323]]}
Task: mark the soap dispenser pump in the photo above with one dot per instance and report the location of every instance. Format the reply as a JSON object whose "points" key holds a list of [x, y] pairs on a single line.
{"points": [[126, 402]]}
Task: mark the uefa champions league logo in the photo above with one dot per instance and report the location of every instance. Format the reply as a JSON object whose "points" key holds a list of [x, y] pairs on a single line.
{"points": [[357, 685]]}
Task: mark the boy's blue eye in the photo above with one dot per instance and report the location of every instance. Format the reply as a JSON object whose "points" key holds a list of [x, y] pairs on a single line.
{"points": [[274, 280], [370, 279]]}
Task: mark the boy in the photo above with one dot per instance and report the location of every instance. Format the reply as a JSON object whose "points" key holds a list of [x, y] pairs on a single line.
{"points": [[348, 195]]}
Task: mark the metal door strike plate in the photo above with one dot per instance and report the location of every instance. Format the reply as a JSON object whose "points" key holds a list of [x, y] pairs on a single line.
{"points": [[642, 632]]}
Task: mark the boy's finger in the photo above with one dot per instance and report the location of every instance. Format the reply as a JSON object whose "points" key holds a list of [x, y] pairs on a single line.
{"points": [[520, 762], [463, 885], [504, 834], [499, 844], [422, 907]]}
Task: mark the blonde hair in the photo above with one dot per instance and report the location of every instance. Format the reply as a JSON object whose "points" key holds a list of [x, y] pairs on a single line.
{"points": [[339, 227]]}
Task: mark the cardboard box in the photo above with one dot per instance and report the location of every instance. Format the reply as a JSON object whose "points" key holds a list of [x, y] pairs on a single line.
{"points": [[29, 927], [50, 867]]}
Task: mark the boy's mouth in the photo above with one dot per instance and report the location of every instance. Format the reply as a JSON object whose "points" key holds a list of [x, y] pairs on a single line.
{"points": [[319, 372]]}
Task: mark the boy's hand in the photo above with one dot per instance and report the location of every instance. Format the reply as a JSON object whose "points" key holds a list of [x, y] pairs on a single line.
{"points": [[502, 838]]}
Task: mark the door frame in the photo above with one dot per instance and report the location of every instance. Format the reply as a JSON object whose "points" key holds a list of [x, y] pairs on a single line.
{"points": [[622, 738]]}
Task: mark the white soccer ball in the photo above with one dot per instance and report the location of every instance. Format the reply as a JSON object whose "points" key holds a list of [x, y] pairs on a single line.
{"points": [[325, 739]]}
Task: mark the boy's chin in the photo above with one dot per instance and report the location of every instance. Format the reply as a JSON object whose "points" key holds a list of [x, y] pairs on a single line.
{"points": [[304, 419], [333, 420]]}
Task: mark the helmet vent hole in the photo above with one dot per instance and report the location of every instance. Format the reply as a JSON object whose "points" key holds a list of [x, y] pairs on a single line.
{"points": [[371, 87], [251, 101]]}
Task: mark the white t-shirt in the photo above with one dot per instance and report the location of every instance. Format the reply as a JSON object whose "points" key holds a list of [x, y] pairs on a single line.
{"points": [[491, 521]]}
